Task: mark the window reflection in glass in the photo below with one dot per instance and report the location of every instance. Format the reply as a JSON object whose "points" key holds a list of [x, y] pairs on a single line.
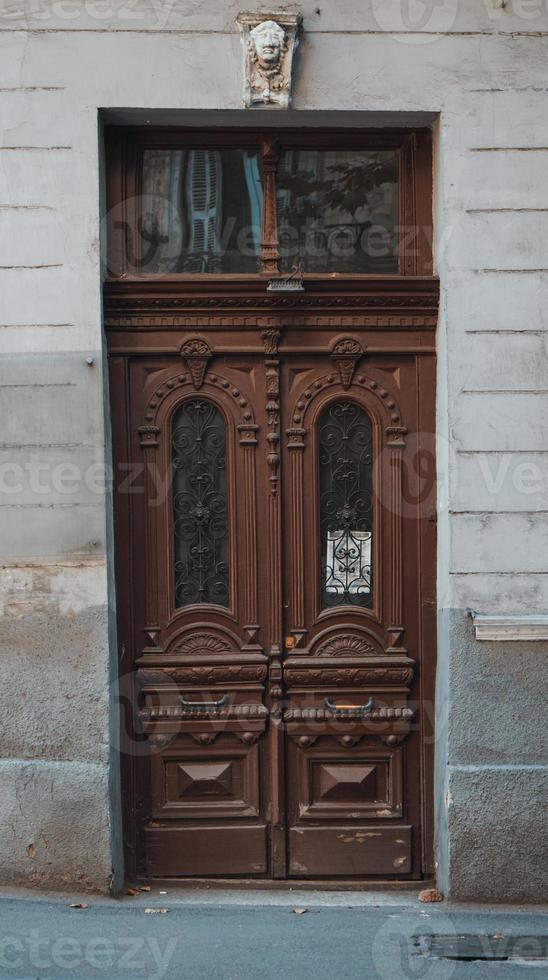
{"points": [[201, 211], [346, 509], [338, 210]]}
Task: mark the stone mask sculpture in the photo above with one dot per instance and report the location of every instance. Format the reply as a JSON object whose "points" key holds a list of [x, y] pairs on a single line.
{"points": [[269, 45]]}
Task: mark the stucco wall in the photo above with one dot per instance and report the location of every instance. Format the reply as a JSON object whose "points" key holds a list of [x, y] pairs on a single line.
{"points": [[483, 71]]}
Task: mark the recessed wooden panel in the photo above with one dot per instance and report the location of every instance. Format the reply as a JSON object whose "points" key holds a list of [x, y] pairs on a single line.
{"points": [[348, 783], [205, 850], [219, 780], [349, 851]]}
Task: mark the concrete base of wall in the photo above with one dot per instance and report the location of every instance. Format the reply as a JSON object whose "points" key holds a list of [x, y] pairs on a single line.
{"points": [[497, 834], [492, 780], [57, 772], [54, 825]]}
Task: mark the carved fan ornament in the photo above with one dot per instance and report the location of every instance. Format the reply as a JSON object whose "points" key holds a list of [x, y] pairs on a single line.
{"points": [[345, 645], [202, 643]]}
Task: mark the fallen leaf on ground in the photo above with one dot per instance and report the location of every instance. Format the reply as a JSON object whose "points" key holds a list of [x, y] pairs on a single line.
{"points": [[133, 891], [430, 895], [78, 905], [156, 911], [298, 911]]}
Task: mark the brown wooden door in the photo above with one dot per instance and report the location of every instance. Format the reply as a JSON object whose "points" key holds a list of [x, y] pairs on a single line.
{"points": [[276, 556], [352, 590]]}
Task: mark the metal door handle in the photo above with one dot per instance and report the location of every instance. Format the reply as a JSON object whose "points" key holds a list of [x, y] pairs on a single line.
{"points": [[205, 705], [349, 708]]}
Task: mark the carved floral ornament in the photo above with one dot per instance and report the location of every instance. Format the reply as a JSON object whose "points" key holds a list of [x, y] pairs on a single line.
{"points": [[269, 43]]}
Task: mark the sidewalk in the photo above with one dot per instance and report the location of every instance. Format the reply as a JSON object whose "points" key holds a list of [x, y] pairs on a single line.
{"points": [[245, 935]]}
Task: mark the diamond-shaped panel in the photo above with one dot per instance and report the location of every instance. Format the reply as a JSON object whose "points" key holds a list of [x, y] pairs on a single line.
{"points": [[204, 779], [346, 781]]}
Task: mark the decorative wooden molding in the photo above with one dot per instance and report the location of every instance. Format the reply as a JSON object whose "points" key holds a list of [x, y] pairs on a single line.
{"points": [[399, 302], [204, 738], [234, 712], [211, 379], [345, 676], [148, 436], [204, 675], [199, 642], [306, 725], [388, 405], [345, 645], [275, 676], [271, 340], [524, 627], [347, 741], [196, 353], [322, 714], [346, 353]]}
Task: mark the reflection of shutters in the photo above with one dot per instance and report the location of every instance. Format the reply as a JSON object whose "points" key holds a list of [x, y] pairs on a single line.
{"points": [[204, 196]]}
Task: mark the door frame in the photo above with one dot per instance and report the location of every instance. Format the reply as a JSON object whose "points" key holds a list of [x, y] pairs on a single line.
{"points": [[151, 316]]}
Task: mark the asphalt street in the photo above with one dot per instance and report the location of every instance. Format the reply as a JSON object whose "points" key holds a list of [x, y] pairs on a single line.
{"points": [[241, 936]]}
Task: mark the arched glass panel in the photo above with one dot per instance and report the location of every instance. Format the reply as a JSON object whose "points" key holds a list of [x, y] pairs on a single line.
{"points": [[346, 508], [200, 504]]}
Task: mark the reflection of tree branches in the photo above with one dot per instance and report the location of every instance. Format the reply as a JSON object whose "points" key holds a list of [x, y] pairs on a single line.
{"points": [[344, 186]]}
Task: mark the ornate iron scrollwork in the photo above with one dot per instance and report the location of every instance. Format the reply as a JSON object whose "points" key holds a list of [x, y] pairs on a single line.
{"points": [[200, 504], [345, 440]]}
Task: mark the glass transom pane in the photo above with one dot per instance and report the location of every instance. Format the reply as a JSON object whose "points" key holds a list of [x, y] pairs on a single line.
{"points": [[200, 504], [346, 509], [338, 210], [201, 211]]}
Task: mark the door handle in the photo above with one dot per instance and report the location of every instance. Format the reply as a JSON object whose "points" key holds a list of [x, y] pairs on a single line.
{"points": [[205, 705], [363, 709]]}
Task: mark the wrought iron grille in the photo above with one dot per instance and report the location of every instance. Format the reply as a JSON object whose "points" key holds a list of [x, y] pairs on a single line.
{"points": [[200, 504], [345, 438]]}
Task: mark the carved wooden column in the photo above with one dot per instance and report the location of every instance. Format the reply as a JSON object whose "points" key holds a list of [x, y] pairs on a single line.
{"points": [[396, 444], [248, 442], [270, 255], [271, 337], [149, 444]]}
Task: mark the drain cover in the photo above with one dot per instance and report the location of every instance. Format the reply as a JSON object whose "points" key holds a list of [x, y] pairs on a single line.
{"points": [[482, 947]]}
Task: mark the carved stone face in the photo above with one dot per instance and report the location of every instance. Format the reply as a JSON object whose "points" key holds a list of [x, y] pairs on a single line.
{"points": [[267, 39]]}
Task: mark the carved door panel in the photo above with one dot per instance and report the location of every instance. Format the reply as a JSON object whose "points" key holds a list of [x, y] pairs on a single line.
{"points": [[352, 580]]}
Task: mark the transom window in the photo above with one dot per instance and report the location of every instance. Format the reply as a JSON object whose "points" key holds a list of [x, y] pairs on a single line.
{"points": [[268, 203]]}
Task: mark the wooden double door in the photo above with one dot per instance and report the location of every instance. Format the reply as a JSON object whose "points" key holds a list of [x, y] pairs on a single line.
{"points": [[275, 582]]}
